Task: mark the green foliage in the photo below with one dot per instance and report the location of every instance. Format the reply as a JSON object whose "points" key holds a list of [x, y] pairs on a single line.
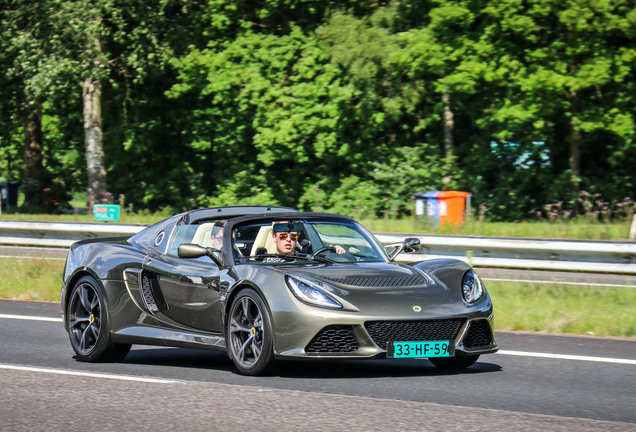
{"points": [[344, 106]]}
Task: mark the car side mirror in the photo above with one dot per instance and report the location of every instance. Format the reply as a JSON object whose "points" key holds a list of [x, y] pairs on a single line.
{"points": [[409, 245], [191, 250]]}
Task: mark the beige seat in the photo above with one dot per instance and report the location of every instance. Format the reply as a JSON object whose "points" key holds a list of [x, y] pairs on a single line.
{"points": [[264, 239], [203, 235]]}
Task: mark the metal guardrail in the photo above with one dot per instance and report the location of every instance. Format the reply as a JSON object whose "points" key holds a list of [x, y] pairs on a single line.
{"points": [[59, 234], [555, 255]]}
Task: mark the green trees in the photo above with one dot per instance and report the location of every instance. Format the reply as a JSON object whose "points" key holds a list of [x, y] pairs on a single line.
{"points": [[348, 106]]}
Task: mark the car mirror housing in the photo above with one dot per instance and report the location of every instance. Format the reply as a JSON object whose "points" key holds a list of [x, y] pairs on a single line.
{"points": [[191, 250], [409, 245]]}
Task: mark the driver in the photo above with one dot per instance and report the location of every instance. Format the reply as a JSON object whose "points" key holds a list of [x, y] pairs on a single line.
{"points": [[285, 242]]}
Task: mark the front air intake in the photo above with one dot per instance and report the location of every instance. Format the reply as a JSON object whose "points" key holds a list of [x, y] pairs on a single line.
{"points": [[478, 334], [383, 332], [333, 339]]}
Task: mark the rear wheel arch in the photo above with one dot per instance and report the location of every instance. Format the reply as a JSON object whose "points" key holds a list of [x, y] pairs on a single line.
{"points": [[87, 321]]}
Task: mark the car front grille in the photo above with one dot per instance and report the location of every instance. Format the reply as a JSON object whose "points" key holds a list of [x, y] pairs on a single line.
{"points": [[333, 339], [383, 332], [478, 334]]}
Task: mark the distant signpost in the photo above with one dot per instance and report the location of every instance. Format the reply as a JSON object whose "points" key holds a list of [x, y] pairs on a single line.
{"points": [[106, 212]]}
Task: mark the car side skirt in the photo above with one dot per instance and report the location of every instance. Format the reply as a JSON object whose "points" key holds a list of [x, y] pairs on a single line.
{"points": [[164, 337]]}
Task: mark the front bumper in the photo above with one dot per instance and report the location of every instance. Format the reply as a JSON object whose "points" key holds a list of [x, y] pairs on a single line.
{"points": [[345, 336]]}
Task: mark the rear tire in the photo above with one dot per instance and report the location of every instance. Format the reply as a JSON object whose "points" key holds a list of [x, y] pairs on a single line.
{"points": [[249, 334], [89, 326], [454, 362]]}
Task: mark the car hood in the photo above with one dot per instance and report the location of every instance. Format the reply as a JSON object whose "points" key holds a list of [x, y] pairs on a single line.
{"points": [[391, 288]]}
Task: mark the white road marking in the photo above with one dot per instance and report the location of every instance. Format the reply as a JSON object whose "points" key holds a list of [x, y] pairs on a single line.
{"points": [[88, 374], [568, 357], [503, 352], [30, 318], [559, 282]]}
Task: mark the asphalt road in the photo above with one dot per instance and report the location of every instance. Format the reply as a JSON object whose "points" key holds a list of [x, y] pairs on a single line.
{"points": [[573, 384]]}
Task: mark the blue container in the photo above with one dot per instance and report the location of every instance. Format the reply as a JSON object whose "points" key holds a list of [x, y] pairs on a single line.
{"points": [[9, 194], [442, 208], [426, 205]]}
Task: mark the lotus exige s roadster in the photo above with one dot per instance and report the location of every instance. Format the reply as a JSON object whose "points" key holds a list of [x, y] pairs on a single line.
{"points": [[267, 283]]}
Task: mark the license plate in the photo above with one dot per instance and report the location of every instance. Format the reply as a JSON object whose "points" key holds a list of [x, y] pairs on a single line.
{"points": [[420, 349]]}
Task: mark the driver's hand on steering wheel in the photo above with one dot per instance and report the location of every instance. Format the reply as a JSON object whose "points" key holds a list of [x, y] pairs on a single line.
{"points": [[339, 249]]}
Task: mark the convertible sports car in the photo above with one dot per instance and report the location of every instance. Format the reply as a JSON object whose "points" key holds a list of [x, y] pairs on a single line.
{"points": [[279, 284]]}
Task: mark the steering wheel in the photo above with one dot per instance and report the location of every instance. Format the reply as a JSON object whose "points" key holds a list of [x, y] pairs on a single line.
{"points": [[325, 249]]}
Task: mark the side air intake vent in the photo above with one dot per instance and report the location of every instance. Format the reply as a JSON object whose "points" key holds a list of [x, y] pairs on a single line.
{"points": [[147, 294]]}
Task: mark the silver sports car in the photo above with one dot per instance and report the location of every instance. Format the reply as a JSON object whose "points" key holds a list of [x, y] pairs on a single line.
{"points": [[267, 283]]}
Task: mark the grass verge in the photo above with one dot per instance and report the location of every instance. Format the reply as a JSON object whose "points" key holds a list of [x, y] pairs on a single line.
{"points": [[564, 309], [30, 279], [521, 306], [580, 229]]}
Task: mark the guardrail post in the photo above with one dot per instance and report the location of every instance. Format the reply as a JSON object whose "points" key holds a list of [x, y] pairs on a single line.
{"points": [[632, 232]]}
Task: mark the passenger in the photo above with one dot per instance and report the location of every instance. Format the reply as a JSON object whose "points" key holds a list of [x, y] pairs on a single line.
{"points": [[217, 233]]}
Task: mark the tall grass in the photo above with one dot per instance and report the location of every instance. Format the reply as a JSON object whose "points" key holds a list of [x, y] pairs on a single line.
{"points": [[582, 229], [30, 279], [564, 309]]}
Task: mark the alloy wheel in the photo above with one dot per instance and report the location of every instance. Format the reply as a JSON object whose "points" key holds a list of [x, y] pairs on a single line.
{"points": [[246, 332], [84, 318]]}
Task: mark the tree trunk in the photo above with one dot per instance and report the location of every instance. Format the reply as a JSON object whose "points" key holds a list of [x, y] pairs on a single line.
{"points": [[449, 125], [575, 138], [97, 192], [575, 157], [32, 155]]}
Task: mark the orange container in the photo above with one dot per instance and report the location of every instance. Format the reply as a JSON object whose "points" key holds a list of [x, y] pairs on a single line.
{"points": [[452, 207]]}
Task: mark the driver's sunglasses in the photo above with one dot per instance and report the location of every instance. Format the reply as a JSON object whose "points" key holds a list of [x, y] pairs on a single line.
{"points": [[292, 237]]}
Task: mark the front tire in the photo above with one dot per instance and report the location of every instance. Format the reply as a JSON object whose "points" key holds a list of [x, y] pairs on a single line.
{"points": [[249, 333], [88, 324], [454, 362]]}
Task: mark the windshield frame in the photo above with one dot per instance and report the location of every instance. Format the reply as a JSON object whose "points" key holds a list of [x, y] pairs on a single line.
{"points": [[380, 254]]}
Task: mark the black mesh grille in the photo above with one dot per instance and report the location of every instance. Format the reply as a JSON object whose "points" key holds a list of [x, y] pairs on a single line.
{"points": [[146, 292], [431, 330], [333, 339], [415, 279], [478, 334]]}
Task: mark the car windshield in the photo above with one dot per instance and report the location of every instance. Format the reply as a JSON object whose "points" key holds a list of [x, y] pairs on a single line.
{"points": [[300, 241]]}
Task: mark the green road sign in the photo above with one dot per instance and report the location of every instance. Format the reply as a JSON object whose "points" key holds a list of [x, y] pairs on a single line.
{"points": [[106, 212]]}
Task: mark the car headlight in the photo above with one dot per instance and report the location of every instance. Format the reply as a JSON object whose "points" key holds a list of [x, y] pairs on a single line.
{"points": [[472, 287], [311, 293]]}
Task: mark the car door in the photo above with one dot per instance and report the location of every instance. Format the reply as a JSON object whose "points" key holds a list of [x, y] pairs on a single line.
{"points": [[190, 289]]}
